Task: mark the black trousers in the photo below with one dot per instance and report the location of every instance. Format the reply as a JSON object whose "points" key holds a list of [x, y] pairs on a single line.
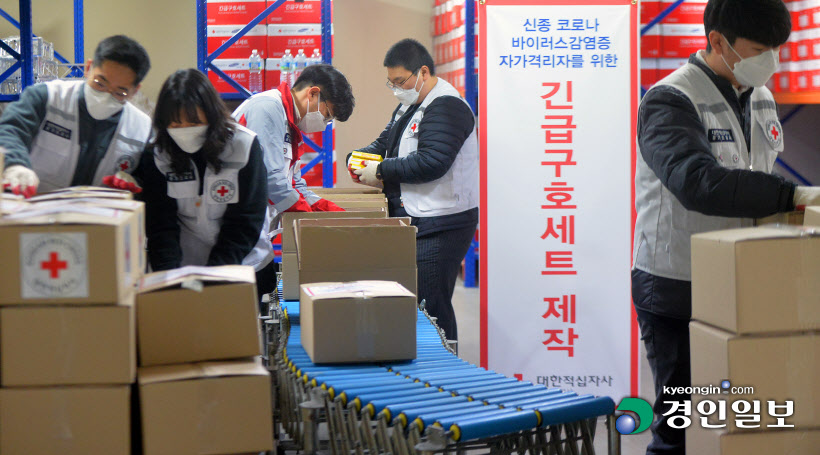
{"points": [[438, 258], [666, 339], [266, 283]]}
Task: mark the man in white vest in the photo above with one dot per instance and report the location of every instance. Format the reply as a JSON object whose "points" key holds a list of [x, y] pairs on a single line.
{"points": [[708, 136], [429, 172], [68, 133]]}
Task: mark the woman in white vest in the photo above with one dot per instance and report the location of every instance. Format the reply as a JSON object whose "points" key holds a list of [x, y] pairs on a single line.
{"points": [[68, 133], [204, 179], [708, 136], [429, 172]]}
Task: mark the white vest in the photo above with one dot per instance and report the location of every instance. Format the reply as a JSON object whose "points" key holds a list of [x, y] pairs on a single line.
{"points": [[200, 217], [457, 190], [664, 227], [56, 147]]}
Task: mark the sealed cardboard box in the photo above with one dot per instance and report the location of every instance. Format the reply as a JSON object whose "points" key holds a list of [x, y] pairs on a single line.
{"points": [[812, 217], [391, 252], [50, 258], [290, 276], [780, 368], [356, 190], [378, 320], [206, 408], [65, 420], [794, 218], [354, 204], [701, 441], [197, 313], [97, 192], [757, 280], [68, 345]]}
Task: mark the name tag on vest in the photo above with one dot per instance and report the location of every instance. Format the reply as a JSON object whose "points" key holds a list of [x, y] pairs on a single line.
{"points": [[180, 176], [716, 135], [57, 130]]}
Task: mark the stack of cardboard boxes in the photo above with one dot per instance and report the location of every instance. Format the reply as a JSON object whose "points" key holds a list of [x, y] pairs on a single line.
{"points": [[67, 333], [667, 45], [202, 388], [800, 55], [449, 30], [754, 341]]}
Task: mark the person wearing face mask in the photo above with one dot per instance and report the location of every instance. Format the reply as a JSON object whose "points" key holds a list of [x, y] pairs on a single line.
{"points": [[429, 172], [708, 136], [204, 180], [67, 133]]}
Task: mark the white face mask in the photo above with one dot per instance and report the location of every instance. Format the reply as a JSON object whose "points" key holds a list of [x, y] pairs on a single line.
{"points": [[313, 122], [408, 96], [100, 105], [190, 138], [754, 71]]}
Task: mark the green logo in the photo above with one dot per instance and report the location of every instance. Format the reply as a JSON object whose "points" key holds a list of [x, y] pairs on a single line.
{"points": [[626, 423]]}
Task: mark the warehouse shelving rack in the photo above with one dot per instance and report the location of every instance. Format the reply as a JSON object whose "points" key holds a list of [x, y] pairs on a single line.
{"points": [[801, 99], [25, 59], [205, 64]]}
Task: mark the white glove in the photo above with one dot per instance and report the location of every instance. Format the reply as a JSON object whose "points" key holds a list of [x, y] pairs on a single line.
{"points": [[20, 180], [367, 175], [806, 195]]}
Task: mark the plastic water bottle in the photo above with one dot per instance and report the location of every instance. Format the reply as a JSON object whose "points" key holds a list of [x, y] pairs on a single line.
{"points": [[285, 68], [316, 58], [255, 66], [300, 63]]}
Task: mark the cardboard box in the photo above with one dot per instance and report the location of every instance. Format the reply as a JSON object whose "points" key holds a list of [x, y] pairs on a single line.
{"points": [[197, 313], [651, 42], [289, 219], [794, 218], [357, 190], [649, 10], [256, 38], [228, 12], [273, 73], [68, 345], [363, 204], [688, 12], [294, 37], [50, 259], [65, 420], [236, 69], [649, 72], [299, 12], [96, 192], [378, 317], [290, 276], [757, 280], [682, 40], [780, 368], [391, 257], [206, 408], [812, 216], [701, 441]]}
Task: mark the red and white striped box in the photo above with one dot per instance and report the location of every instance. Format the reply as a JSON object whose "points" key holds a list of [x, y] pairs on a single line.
{"points": [[256, 38], [799, 77], [789, 48], [651, 43], [782, 80], [667, 66], [795, 9], [227, 12], [813, 70], [808, 14], [649, 72], [682, 40], [649, 10], [688, 12], [272, 73], [298, 12], [236, 69], [447, 19], [294, 37], [807, 46]]}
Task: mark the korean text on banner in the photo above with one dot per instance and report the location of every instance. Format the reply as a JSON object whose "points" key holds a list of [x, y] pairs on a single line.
{"points": [[559, 101]]}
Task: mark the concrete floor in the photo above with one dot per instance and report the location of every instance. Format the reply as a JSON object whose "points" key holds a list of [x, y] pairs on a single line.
{"points": [[466, 305]]}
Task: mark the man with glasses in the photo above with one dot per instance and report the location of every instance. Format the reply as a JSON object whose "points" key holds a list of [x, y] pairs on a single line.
{"points": [[279, 117], [67, 133], [429, 172]]}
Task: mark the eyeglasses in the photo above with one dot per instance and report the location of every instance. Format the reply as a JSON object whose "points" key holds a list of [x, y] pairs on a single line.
{"points": [[393, 86], [102, 86]]}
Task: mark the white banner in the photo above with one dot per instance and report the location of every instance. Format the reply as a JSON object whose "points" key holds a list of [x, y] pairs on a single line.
{"points": [[559, 94]]}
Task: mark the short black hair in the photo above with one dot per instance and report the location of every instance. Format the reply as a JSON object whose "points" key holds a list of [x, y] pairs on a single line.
{"points": [[411, 55], [125, 51], [184, 92], [335, 88], [766, 22]]}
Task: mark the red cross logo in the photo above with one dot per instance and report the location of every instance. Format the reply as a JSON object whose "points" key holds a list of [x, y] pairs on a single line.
{"points": [[775, 133], [222, 191], [124, 165], [414, 127], [54, 265]]}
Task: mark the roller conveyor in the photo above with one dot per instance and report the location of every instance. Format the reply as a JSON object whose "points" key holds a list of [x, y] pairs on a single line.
{"points": [[434, 403]]}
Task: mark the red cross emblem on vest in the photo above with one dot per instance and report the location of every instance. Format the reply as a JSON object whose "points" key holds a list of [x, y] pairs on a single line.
{"points": [[54, 265], [124, 166], [223, 191], [414, 127], [774, 132]]}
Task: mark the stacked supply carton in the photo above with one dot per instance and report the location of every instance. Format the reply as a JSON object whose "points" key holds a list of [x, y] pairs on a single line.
{"points": [[667, 45], [68, 284], [754, 338], [812, 216], [800, 55], [449, 36], [202, 388], [225, 18]]}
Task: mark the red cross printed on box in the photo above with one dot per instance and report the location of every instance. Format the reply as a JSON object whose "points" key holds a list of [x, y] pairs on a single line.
{"points": [[775, 133], [222, 191], [53, 265]]}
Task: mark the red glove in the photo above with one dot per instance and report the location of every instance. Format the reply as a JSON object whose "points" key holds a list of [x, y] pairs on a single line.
{"points": [[300, 206], [323, 205], [122, 181]]}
